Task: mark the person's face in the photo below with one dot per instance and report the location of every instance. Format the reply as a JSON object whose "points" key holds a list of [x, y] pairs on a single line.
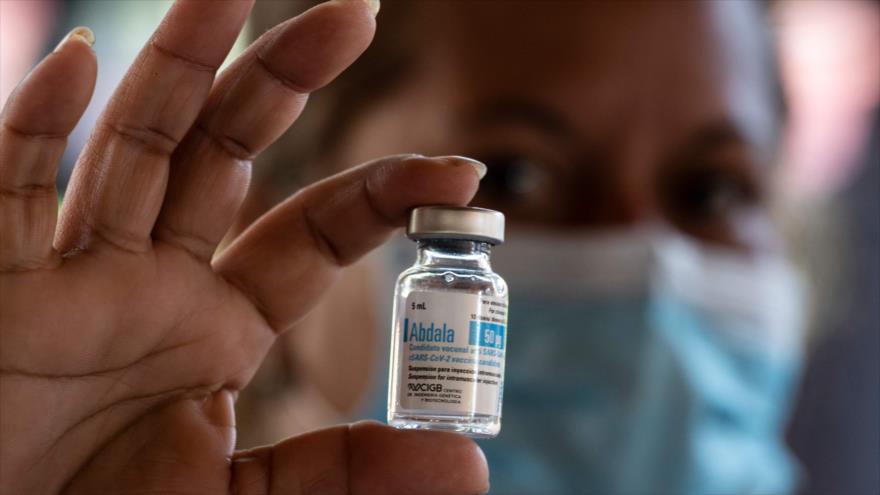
{"points": [[592, 114]]}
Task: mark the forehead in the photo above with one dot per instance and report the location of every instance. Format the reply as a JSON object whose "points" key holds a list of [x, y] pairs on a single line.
{"points": [[610, 66]]}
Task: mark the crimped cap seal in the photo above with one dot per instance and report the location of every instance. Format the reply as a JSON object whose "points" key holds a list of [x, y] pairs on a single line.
{"points": [[456, 222]]}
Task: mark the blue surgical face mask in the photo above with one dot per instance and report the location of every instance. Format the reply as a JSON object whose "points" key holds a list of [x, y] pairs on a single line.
{"points": [[644, 362]]}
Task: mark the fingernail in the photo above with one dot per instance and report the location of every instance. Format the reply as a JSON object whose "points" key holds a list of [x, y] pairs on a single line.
{"points": [[479, 167], [404, 156], [80, 33], [374, 5]]}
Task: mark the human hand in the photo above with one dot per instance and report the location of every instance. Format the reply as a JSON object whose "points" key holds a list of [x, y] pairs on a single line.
{"points": [[123, 342]]}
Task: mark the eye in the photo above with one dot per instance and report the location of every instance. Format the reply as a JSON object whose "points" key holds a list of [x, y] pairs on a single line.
{"points": [[511, 177], [703, 198], [705, 192], [527, 189]]}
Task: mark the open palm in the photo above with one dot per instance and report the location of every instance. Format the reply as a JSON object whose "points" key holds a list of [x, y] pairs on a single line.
{"points": [[122, 343]]}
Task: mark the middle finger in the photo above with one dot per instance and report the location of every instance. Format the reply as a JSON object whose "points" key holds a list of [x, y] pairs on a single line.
{"points": [[253, 102], [119, 181]]}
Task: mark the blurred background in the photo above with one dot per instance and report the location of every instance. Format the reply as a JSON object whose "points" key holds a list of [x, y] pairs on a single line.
{"points": [[827, 181]]}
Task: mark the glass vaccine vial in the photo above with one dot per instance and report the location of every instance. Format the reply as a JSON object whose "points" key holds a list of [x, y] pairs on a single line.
{"points": [[449, 327]]}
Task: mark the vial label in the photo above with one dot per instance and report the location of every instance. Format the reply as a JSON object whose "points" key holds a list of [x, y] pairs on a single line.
{"points": [[452, 352]]}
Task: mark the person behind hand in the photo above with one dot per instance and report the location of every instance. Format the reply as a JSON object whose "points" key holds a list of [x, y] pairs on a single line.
{"points": [[655, 323]]}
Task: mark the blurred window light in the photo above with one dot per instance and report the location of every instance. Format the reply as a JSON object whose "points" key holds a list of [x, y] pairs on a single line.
{"points": [[29, 29], [830, 55]]}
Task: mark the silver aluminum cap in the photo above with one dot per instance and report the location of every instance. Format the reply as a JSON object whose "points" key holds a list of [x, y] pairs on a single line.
{"points": [[456, 222]]}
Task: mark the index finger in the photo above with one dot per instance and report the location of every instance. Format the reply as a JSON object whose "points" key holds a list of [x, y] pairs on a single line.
{"points": [[286, 260]]}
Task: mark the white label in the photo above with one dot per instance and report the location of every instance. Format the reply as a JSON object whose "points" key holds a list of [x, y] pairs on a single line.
{"points": [[452, 352]]}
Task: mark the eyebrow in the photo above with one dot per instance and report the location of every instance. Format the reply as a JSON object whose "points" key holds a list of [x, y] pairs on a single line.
{"points": [[713, 135], [515, 110], [716, 135], [707, 137]]}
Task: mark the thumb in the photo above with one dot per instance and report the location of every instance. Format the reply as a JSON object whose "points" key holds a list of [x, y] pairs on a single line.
{"points": [[363, 458]]}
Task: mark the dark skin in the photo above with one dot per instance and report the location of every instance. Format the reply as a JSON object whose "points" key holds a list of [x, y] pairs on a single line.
{"points": [[123, 342]]}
